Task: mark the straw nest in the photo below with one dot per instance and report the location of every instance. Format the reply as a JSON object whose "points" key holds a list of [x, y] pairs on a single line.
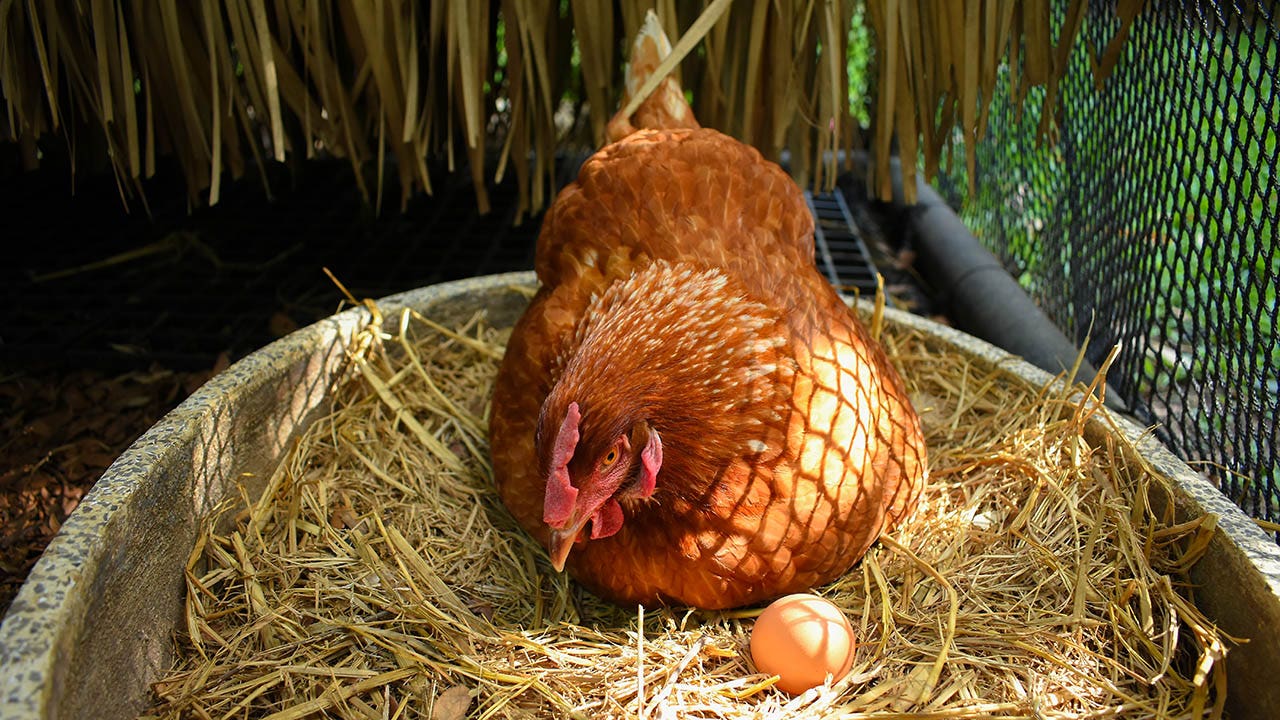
{"points": [[378, 575]]}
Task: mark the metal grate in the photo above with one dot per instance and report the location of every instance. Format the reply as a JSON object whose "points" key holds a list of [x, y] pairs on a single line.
{"points": [[842, 254], [1152, 223]]}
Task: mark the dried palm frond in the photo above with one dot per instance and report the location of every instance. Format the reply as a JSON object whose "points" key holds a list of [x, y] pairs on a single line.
{"points": [[937, 69], [401, 87]]}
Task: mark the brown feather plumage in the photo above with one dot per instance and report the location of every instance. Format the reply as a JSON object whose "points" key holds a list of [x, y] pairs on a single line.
{"points": [[679, 298]]}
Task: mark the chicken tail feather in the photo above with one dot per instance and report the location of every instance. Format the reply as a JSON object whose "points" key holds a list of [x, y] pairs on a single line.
{"points": [[666, 107], [651, 47]]}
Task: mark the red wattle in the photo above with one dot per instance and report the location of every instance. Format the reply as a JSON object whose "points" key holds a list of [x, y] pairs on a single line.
{"points": [[607, 520]]}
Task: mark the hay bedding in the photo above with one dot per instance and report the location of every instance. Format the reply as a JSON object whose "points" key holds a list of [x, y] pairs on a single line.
{"points": [[380, 577]]}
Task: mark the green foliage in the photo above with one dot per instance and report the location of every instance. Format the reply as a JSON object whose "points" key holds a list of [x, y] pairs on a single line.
{"points": [[859, 53], [1155, 214]]}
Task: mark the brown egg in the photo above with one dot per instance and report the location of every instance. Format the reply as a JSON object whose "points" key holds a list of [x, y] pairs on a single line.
{"points": [[801, 638]]}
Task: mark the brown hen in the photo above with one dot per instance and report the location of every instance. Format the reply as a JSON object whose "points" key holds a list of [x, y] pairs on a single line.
{"points": [[687, 412]]}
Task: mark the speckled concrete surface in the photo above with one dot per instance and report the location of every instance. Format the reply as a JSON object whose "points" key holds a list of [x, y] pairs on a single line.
{"points": [[93, 624]]}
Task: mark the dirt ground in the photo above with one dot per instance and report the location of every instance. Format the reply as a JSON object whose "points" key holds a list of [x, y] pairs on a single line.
{"points": [[59, 431]]}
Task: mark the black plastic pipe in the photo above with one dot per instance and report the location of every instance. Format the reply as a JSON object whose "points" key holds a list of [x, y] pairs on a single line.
{"points": [[976, 291]]}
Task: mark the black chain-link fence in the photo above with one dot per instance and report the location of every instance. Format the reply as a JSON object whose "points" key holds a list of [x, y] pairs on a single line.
{"points": [[1152, 222]]}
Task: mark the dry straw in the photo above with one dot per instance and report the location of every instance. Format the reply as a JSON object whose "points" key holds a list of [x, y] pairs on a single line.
{"points": [[394, 86], [378, 576]]}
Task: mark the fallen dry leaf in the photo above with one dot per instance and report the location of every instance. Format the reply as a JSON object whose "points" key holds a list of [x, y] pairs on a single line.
{"points": [[452, 704], [343, 517], [281, 324]]}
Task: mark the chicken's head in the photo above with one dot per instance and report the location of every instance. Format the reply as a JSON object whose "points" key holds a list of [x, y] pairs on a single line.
{"points": [[589, 480]]}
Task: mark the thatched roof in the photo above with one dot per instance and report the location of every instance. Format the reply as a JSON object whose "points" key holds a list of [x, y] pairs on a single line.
{"points": [[397, 86]]}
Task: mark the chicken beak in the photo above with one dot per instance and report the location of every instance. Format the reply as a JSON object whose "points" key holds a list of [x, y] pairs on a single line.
{"points": [[562, 542]]}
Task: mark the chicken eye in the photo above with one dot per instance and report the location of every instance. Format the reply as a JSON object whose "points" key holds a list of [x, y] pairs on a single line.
{"points": [[610, 458]]}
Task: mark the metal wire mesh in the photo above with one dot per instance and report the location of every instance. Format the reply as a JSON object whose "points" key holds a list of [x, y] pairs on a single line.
{"points": [[1151, 223]]}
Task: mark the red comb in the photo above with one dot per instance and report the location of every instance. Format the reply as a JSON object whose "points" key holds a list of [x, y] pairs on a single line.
{"points": [[561, 495]]}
